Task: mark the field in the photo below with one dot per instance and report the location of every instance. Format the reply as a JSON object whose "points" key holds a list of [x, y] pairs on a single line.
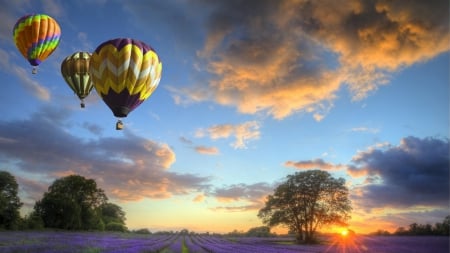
{"points": [[90, 242]]}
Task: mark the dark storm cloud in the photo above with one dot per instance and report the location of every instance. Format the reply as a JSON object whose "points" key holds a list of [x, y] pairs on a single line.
{"points": [[414, 173], [128, 168]]}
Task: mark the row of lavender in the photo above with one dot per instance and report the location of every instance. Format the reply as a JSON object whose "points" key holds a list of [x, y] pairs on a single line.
{"points": [[81, 242], [84, 242], [249, 244]]}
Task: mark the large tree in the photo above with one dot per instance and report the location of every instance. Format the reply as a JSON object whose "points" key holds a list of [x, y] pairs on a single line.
{"points": [[9, 201], [307, 201], [72, 202]]}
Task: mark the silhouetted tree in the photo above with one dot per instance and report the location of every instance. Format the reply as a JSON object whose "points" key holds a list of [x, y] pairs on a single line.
{"points": [[443, 228], [71, 202], [426, 229], [9, 201], [263, 231], [306, 201]]}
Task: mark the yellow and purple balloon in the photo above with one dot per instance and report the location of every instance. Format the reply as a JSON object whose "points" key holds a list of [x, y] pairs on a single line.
{"points": [[125, 72]]}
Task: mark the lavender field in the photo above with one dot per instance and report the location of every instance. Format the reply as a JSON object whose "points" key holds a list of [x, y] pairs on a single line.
{"points": [[91, 242]]}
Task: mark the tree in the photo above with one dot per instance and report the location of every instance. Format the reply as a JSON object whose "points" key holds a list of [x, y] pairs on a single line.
{"points": [[307, 201], [444, 227], [9, 201], [113, 214], [72, 202], [263, 231]]}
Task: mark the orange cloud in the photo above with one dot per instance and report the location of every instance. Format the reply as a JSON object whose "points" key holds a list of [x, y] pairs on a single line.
{"points": [[257, 66], [242, 132], [199, 198], [313, 164], [207, 150]]}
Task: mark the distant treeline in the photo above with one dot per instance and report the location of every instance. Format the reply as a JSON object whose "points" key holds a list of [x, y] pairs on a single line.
{"points": [[421, 229]]}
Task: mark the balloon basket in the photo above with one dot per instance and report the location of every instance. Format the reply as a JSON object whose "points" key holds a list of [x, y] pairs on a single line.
{"points": [[34, 71], [119, 125]]}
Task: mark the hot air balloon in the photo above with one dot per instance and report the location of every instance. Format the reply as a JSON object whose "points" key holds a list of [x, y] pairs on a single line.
{"points": [[75, 71], [125, 72], [36, 36]]}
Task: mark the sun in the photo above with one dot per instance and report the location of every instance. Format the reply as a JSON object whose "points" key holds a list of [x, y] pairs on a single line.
{"points": [[344, 232]]}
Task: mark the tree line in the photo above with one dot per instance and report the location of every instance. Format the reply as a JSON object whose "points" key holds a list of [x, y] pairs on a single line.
{"points": [[439, 228], [71, 203]]}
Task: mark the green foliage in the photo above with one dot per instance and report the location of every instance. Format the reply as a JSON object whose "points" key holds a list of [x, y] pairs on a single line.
{"points": [[72, 203], [32, 221], [9, 201], [116, 226], [184, 248], [112, 213], [306, 201], [143, 231], [263, 231]]}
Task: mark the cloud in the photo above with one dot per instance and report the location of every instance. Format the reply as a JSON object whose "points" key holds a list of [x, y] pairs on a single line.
{"points": [[256, 65], [199, 198], [207, 150], [204, 150], [414, 173], [242, 132], [86, 44], [365, 130], [185, 140], [252, 195], [178, 18], [32, 190], [128, 168], [10, 12], [93, 128], [29, 84], [53, 8], [312, 164]]}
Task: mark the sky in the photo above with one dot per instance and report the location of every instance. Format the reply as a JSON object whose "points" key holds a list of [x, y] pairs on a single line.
{"points": [[251, 91]]}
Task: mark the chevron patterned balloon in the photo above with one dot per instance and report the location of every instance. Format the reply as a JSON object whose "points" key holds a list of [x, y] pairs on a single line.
{"points": [[36, 36], [125, 72], [75, 71]]}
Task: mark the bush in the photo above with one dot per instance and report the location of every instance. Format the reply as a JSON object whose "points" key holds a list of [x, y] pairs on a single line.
{"points": [[115, 226], [144, 231]]}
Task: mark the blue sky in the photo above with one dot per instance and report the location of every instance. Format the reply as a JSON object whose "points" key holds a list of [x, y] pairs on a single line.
{"points": [[251, 91]]}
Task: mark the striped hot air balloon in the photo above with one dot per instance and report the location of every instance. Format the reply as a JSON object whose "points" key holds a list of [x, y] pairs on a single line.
{"points": [[125, 72], [36, 36], [75, 71]]}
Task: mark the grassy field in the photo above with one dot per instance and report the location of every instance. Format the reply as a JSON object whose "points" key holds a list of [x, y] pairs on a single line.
{"points": [[96, 242]]}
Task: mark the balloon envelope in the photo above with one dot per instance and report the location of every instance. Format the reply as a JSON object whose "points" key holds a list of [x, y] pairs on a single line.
{"points": [[75, 71], [125, 72], [36, 36]]}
